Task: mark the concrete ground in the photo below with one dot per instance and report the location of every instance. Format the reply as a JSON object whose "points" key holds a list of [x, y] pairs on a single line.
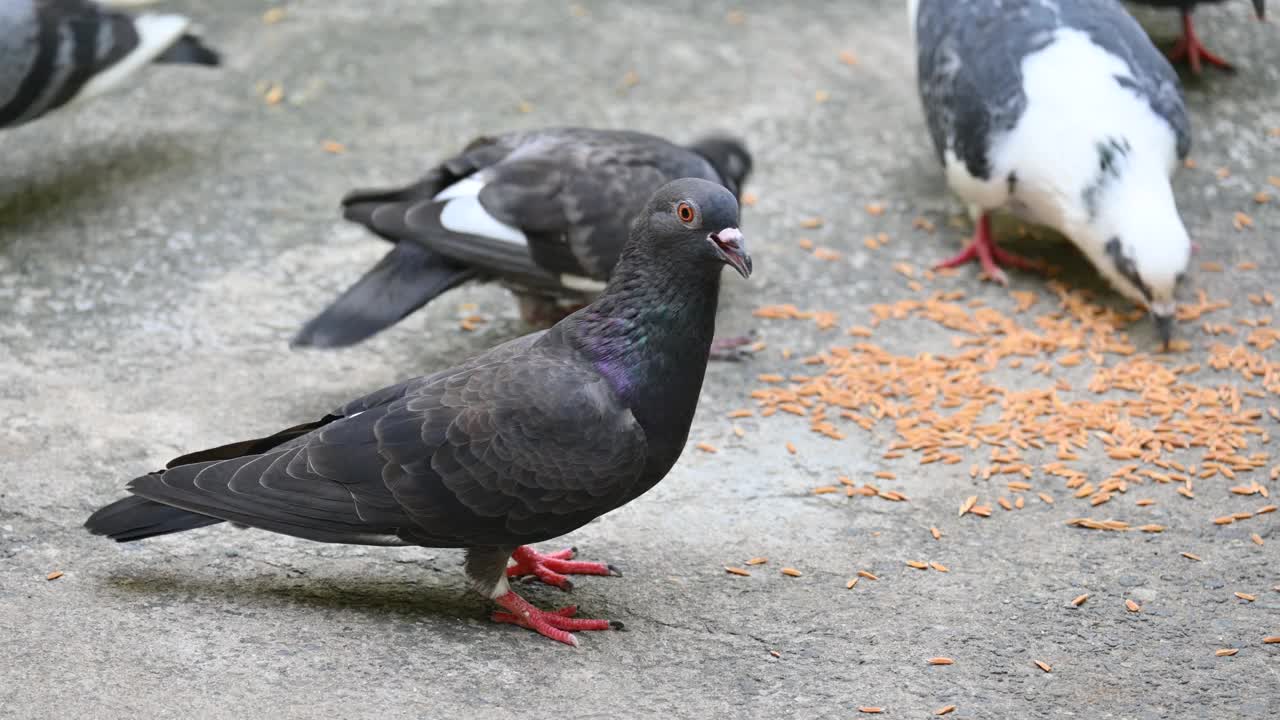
{"points": [[159, 247]]}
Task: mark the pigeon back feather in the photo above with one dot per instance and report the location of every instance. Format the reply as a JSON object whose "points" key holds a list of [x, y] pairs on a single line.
{"points": [[971, 58], [546, 212]]}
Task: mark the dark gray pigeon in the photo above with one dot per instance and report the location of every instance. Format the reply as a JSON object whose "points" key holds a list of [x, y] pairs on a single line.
{"points": [[55, 52], [1066, 114], [521, 444], [545, 212], [1189, 48]]}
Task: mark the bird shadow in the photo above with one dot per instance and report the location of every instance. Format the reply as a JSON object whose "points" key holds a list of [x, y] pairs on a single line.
{"points": [[72, 180], [374, 597], [382, 596]]}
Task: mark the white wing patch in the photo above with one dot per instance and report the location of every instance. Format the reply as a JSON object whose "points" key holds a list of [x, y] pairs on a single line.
{"points": [[126, 3], [581, 284], [463, 213], [1053, 149], [156, 33]]}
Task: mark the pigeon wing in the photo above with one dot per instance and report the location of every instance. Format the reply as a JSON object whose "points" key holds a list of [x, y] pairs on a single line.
{"points": [[521, 444], [577, 201], [513, 452], [970, 67], [1151, 76], [384, 211]]}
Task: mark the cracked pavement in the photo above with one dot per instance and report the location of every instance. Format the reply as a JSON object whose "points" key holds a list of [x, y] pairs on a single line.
{"points": [[159, 247]]}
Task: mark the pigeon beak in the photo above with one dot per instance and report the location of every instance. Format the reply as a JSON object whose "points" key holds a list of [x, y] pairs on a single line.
{"points": [[1164, 313], [732, 249], [1260, 6], [1164, 327]]}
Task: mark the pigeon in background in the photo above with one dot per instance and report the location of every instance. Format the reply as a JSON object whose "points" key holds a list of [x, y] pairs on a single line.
{"points": [[521, 444], [1064, 113], [1189, 47], [55, 52], [545, 212]]}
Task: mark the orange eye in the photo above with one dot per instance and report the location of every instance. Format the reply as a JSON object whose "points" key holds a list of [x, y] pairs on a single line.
{"points": [[685, 212]]}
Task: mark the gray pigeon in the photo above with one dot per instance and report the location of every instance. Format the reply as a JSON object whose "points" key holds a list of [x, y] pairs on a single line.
{"points": [[1066, 114], [521, 444], [1189, 47], [545, 212], [55, 52]]}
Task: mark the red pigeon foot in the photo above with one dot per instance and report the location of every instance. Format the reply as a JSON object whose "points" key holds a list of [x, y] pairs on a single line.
{"points": [[1190, 48], [551, 568], [731, 349], [554, 624], [985, 251]]}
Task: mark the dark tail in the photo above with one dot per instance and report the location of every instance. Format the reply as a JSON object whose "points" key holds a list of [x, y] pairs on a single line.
{"points": [[404, 280], [189, 50], [134, 518], [390, 205]]}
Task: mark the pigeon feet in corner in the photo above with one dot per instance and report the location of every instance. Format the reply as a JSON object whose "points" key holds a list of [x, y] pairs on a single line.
{"points": [[1190, 49], [554, 624], [731, 349], [552, 568], [543, 312], [983, 249]]}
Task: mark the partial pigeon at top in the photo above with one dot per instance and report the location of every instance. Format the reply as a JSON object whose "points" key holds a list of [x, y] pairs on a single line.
{"points": [[1189, 47], [54, 52], [521, 444], [545, 212], [1066, 114]]}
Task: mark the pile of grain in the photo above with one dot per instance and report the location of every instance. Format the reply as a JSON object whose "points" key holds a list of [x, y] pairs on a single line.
{"points": [[1157, 416]]}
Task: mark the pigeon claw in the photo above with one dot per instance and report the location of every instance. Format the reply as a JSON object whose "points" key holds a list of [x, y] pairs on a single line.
{"points": [[983, 249], [559, 625], [1190, 49], [551, 568]]}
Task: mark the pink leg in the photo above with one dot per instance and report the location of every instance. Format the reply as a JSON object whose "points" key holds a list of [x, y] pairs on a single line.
{"points": [[554, 624], [1190, 48], [988, 254], [730, 349], [551, 568], [543, 312]]}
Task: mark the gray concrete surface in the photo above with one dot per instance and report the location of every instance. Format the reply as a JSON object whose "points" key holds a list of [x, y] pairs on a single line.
{"points": [[158, 248]]}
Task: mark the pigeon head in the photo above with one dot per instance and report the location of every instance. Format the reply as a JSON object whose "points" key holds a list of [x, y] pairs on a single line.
{"points": [[729, 157], [1143, 247], [696, 221]]}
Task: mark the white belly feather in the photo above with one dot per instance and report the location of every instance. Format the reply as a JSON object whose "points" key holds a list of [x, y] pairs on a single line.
{"points": [[1052, 151]]}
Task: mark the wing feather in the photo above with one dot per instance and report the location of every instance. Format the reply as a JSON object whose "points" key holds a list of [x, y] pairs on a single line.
{"points": [[521, 444]]}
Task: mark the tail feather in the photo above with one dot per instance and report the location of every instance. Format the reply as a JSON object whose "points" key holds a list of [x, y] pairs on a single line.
{"points": [[135, 518], [257, 446], [404, 280], [189, 50], [360, 206]]}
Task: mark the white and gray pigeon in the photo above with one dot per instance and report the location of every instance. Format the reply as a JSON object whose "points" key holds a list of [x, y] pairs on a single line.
{"points": [[518, 445], [545, 212], [1189, 48], [57, 52], [1065, 113]]}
